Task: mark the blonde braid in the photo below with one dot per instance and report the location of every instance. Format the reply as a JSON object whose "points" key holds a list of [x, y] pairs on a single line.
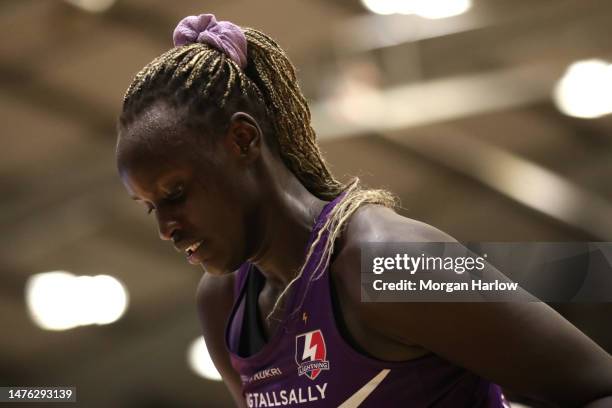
{"points": [[275, 76], [354, 198]]}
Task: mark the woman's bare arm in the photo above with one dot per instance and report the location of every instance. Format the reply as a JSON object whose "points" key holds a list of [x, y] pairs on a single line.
{"points": [[214, 299], [526, 347]]}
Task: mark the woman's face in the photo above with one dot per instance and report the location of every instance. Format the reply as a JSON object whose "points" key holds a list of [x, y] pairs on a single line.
{"points": [[201, 194]]}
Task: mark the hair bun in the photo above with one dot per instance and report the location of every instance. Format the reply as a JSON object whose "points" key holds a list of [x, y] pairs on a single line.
{"points": [[222, 35]]}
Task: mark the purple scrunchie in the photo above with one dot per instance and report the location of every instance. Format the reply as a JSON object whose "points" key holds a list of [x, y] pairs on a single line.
{"points": [[223, 35]]}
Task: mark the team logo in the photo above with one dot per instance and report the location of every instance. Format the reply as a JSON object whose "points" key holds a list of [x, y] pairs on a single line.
{"points": [[310, 353]]}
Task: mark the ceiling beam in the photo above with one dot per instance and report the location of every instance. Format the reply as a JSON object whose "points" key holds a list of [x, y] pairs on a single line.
{"points": [[516, 178]]}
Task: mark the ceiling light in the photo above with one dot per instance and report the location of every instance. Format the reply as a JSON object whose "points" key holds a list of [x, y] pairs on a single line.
{"points": [[432, 9], [585, 90], [383, 7], [60, 300], [200, 362], [93, 6], [435, 9]]}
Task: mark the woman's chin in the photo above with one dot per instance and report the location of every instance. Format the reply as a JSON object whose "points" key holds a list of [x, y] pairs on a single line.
{"points": [[215, 270], [221, 266]]}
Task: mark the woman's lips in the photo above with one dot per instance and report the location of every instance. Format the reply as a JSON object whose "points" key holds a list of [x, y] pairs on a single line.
{"points": [[194, 253], [193, 247]]}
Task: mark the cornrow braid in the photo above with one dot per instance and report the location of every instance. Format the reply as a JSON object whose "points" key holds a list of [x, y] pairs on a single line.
{"points": [[199, 75], [275, 76], [193, 74]]}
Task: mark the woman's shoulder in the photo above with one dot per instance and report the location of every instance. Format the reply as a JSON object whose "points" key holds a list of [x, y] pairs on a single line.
{"points": [[215, 293], [376, 223]]}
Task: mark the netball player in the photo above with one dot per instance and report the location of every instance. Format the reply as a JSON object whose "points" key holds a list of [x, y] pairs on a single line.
{"points": [[215, 140]]}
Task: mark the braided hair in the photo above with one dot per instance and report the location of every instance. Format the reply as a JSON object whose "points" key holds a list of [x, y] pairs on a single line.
{"points": [[212, 85]]}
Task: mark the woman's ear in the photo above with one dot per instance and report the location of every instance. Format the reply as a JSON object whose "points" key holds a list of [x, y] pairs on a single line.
{"points": [[244, 137]]}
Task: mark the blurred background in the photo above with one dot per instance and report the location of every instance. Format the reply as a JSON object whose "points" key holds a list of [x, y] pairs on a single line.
{"points": [[490, 119]]}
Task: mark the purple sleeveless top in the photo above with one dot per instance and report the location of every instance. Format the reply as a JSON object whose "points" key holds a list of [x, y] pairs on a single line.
{"points": [[308, 363]]}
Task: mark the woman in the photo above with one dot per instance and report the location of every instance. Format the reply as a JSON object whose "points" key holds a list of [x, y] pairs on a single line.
{"points": [[215, 139]]}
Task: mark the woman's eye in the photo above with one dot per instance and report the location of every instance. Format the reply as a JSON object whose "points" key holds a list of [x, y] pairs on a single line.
{"points": [[175, 195]]}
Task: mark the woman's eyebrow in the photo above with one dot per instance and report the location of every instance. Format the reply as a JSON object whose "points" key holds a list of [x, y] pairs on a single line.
{"points": [[174, 184]]}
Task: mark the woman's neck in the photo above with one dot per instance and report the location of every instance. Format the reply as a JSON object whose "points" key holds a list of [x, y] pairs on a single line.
{"points": [[288, 218]]}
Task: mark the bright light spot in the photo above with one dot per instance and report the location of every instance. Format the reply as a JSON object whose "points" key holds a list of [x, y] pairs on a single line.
{"points": [[585, 90], [103, 299], [93, 6], [200, 361], [432, 9], [60, 301], [48, 303], [380, 6], [435, 9], [405, 6]]}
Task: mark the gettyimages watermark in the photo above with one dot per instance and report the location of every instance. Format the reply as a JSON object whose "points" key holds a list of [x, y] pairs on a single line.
{"points": [[486, 272]]}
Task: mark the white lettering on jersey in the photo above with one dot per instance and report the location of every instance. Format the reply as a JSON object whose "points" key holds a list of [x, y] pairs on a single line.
{"points": [[260, 375], [281, 398]]}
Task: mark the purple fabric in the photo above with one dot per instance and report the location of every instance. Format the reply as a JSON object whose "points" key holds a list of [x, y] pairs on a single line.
{"points": [[222, 35], [285, 372]]}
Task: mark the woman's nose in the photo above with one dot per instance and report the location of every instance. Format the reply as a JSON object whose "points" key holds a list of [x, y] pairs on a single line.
{"points": [[168, 229]]}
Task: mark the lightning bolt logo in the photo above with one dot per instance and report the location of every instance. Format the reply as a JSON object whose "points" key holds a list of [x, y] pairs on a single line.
{"points": [[310, 353]]}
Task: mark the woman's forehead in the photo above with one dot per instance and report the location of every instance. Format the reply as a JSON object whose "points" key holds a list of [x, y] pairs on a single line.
{"points": [[157, 156], [150, 162], [149, 173]]}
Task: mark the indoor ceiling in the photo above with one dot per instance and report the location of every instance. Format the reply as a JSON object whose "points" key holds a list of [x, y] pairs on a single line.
{"points": [[475, 98]]}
